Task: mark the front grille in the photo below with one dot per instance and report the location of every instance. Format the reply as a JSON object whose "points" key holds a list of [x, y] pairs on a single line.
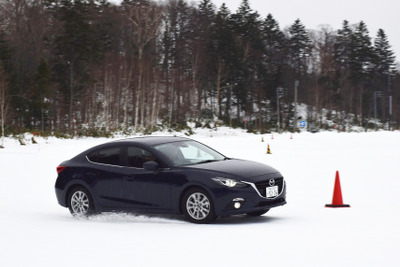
{"points": [[261, 186]]}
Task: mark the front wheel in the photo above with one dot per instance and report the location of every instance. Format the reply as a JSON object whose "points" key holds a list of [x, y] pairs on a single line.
{"points": [[197, 206], [80, 202]]}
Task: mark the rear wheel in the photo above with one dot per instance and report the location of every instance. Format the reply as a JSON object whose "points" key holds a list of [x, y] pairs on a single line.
{"points": [[257, 213], [197, 206], [80, 202]]}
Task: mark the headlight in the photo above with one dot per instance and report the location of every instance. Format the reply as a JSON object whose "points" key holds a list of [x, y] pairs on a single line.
{"points": [[229, 182]]}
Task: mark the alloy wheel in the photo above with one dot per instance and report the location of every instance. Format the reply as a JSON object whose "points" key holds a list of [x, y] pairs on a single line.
{"points": [[80, 203], [198, 206]]}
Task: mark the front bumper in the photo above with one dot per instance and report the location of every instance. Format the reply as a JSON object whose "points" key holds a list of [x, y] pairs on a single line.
{"points": [[250, 198]]}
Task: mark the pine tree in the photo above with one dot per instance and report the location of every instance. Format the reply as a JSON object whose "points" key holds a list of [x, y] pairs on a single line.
{"points": [[384, 56], [76, 46], [326, 93], [299, 47], [222, 56], [275, 56], [6, 54], [202, 62], [342, 55], [206, 16], [273, 36], [361, 54], [384, 69], [361, 62], [177, 60], [246, 25], [343, 46]]}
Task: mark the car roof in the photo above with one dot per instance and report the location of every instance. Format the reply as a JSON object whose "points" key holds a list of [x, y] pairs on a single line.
{"points": [[153, 140], [147, 140]]}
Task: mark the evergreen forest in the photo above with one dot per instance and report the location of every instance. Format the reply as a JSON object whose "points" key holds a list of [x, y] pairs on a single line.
{"points": [[91, 67]]}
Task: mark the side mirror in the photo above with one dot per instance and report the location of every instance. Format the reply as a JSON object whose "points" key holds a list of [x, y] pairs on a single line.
{"points": [[150, 166]]}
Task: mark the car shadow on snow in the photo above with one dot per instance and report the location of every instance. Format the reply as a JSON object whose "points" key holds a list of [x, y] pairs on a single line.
{"points": [[175, 219], [243, 219], [124, 217]]}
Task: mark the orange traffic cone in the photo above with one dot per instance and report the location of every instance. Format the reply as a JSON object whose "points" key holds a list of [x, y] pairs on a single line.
{"points": [[272, 136], [268, 150], [291, 137], [337, 200]]}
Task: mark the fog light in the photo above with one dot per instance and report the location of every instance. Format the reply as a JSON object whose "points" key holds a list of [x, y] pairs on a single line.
{"points": [[237, 205]]}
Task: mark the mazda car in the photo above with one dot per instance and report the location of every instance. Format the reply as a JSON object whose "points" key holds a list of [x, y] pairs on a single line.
{"points": [[166, 175]]}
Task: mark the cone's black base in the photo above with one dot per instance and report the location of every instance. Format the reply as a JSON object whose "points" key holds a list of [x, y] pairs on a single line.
{"points": [[337, 206]]}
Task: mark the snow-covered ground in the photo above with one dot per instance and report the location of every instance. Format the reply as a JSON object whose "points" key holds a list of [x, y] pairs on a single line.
{"points": [[36, 231]]}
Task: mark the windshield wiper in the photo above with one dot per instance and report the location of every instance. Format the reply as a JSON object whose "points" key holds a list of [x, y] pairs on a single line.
{"points": [[207, 161]]}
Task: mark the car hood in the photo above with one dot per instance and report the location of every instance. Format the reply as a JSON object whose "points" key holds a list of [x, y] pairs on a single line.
{"points": [[245, 170]]}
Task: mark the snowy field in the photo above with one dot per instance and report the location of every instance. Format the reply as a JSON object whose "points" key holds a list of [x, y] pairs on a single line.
{"points": [[36, 231]]}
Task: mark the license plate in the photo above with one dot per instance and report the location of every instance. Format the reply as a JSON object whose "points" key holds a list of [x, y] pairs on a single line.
{"points": [[272, 191]]}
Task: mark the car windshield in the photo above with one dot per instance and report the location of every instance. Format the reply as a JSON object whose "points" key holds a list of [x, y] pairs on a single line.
{"points": [[188, 153]]}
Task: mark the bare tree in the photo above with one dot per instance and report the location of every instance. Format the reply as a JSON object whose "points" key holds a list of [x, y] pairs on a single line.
{"points": [[323, 69], [146, 21]]}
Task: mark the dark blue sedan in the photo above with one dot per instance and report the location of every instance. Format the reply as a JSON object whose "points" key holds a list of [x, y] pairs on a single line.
{"points": [[166, 175]]}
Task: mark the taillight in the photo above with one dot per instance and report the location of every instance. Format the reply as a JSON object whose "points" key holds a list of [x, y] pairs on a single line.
{"points": [[60, 169]]}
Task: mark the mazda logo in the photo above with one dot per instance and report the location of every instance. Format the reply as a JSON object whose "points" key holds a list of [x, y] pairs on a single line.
{"points": [[271, 182]]}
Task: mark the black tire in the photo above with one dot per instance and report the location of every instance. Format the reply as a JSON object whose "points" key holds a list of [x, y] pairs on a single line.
{"points": [[80, 202], [257, 213], [197, 206]]}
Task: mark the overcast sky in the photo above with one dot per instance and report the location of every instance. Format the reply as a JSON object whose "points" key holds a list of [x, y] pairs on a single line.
{"points": [[384, 14]]}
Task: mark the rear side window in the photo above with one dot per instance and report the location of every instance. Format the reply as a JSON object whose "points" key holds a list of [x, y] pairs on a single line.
{"points": [[111, 156]]}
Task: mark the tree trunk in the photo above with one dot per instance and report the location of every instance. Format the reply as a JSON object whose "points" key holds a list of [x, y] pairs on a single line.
{"points": [[219, 80], [3, 102], [2, 109], [71, 96], [139, 90], [360, 105]]}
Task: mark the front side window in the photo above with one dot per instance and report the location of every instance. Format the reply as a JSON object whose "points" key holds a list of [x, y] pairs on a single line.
{"points": [[136, 156], [110, 156], [188, 152]]}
